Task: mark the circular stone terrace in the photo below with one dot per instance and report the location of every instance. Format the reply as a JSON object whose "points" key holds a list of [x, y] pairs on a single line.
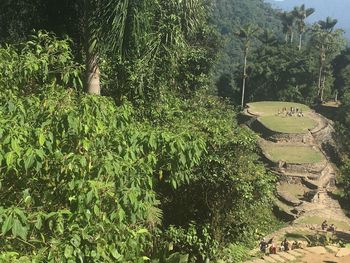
{"points": [[273, 118]]}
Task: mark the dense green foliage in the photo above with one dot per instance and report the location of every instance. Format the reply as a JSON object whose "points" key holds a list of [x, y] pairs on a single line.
{"points": [[288, 60], [157, 169], [86, 180]]}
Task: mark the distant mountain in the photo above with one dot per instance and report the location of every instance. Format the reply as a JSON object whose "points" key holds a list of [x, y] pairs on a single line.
{"points": [[338, 9]]}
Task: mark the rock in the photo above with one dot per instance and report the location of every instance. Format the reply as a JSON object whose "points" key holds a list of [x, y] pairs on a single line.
{"points": [[333, 249], [343, 252]]}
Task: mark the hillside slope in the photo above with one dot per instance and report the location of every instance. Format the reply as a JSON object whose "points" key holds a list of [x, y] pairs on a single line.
{"points": [[228, 16]]}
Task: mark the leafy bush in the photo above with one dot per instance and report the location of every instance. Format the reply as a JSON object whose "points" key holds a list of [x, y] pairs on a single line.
{"points": [[85, 180], [195, 240], [235, 253], [78, 173], [42, 62]]}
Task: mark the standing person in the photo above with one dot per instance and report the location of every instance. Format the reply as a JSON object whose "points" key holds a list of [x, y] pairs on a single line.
{"points": [[324, 225], [273, 249], [285, 244], [263, 245], [332, 228]]}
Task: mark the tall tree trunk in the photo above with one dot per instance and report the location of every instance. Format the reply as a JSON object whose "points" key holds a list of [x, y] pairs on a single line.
{"points": [[336, 96], [286, 38], [291, 37], [244, 76], [319, 80], [323, 86], [322, 60], [300, 39], [92, 74], [92, 71]]}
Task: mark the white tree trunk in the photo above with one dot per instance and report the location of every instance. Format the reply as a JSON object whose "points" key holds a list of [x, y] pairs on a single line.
{"points": [[319, 80], [92, 71], [300, 40], [244, 77], [93, 75]]}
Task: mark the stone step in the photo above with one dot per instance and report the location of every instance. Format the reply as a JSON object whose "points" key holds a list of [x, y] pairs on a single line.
{"points": [[297, 252], [277, 257], [294, 253], [269, 259], [287, 256], [316, 250], [256, 260]]}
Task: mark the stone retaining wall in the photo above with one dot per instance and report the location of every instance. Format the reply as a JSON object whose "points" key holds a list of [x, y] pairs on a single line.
{"points": [[275, 136], [325, 138], [314, 168]]}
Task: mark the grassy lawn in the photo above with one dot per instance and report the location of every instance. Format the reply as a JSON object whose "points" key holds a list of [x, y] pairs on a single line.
{"points": [[288, 124], [293, 154], [268, 108], [295, 190], [318, 220]]}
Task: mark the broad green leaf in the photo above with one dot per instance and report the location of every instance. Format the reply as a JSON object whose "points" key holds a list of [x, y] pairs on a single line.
{"points": [[7, 225], [41, 139], [68, 251], [142, 231], [18, 229], [38, 223], [10, 156]]}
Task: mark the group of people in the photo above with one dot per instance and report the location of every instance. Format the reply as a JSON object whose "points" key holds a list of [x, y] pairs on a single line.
{"points": [[291, 112], [325, 226], [271, 248]]}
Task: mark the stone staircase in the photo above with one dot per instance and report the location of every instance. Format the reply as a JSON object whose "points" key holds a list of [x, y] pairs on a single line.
{"points": [[316, 201]]}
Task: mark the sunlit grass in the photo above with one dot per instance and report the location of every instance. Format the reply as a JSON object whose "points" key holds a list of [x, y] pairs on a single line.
{"points": [[318, 221], [288, 124], [296, 190], [268, 108], [292, 154]]}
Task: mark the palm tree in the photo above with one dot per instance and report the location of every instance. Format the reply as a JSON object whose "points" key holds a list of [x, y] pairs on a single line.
{"points": [[131, 29], [328, 25], [246, 34], [267, 37], [288, 20], [117, 24], [301, 13], [327, 42]]}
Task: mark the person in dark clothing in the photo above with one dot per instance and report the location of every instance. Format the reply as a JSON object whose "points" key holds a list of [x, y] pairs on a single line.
{"points": [[324, 225], [285, 244], [263, 245]]}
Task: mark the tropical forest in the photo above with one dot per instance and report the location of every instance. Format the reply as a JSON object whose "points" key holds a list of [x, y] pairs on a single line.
{"points": [[173, 131]]}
